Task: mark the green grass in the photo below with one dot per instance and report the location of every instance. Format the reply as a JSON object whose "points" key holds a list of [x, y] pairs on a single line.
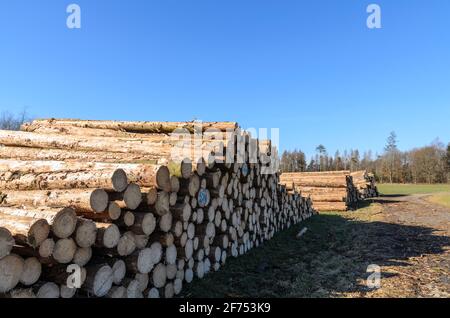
{"points": [[405, 189], [441, 199]]}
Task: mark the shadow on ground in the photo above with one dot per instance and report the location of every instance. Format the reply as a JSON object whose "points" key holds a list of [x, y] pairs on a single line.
{"points": [[331, 259]]}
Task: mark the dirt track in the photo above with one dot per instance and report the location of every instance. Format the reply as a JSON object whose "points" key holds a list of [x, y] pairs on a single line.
{"points": [[422, 245]]}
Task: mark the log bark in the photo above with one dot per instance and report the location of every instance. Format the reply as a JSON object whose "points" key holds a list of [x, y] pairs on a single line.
{"points": [[84, 143], [330, 206], [134, 127], [28, 154], [37, 175], [25, 230], [63, 222], [85, 201]]}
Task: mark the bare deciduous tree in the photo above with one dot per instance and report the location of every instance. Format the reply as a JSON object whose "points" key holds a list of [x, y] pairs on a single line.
{"points": [[10, 121]]}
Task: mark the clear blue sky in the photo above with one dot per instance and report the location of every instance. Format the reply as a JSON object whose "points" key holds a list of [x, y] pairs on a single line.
{"points": [[311, 68]]}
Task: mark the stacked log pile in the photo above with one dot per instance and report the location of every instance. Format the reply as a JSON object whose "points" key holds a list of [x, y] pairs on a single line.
{"points": [[329, 191], [365, 183], [110, 198]]}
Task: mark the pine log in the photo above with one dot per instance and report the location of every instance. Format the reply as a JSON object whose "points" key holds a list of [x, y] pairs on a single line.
{"points": [[46, 290], [64, 250], [144, 224], [117, 292], [159, 276], [24, 230], [11, 271], [73, 155], [87, 201], [86, 233], [63, 222], [31, 271], [108, 235], [82, 256], [99, 279], [330, 206], [135, 127], [37, 175]]}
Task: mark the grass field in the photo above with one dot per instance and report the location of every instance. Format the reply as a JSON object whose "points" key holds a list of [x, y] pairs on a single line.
{"points": [[440, 198], [405, 189]]}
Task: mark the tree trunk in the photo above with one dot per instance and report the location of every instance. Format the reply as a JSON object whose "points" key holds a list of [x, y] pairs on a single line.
{"points": [[25, 230], [133, 127], [82, 201], [62, 221], [74, 175]]}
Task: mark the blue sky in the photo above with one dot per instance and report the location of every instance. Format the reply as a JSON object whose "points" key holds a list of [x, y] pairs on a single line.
{"points": [[311, 68]]}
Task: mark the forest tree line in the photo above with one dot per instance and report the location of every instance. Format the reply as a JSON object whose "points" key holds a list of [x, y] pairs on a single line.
{"points": [[429, 164]]}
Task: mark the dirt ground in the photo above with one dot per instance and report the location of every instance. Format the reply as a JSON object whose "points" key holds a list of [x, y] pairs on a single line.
{"points": [[407, 236], [422, 244]]}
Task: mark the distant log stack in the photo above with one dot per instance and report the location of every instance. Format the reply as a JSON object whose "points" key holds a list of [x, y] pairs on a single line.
{"points": [[365, 183], [111, 198], [329, 191]]}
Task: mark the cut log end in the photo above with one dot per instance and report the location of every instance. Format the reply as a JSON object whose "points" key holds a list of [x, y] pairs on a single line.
{"points": [[149, 224], [31, 271], [48, 290], [153, 293], [64, 251], [126, 245], [119, 271], [132, 196], [102, 281], [114, 211], [39, 232], [67, 292], [64, 223], [152, 195], [186, 169], [99, 200], [46, 248], [6, 242], [11, 271], [82, 256], [159, 276], [86, 233], [163, 178], [119, 180], [111, 236]]}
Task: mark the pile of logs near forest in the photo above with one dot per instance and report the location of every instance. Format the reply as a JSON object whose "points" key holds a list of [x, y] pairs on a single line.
{"points": [[105, 207], [329, 191], [365, 183]]}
